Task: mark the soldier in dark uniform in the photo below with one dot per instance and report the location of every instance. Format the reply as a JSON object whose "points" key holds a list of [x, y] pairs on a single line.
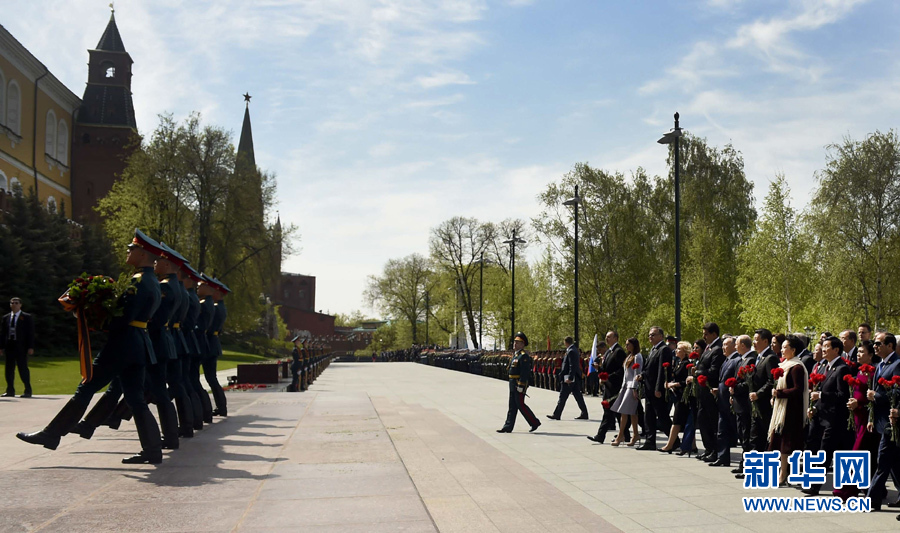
{"points": [[296, 365], [126, 352], [520, 376], [174, 375], [204, 319], [215, 347], [188, 278], [164, 346]]}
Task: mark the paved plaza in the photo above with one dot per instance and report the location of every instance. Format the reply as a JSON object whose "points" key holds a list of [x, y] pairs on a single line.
{"points": [[376, 447]]}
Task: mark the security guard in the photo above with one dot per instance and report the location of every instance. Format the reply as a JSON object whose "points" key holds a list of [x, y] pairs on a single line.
{"points": [[124, 356], [520, 376]]}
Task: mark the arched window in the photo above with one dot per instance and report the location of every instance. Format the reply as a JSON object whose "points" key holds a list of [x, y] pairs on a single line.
{"points": [[62, 142], [13, 107], [50, 135], [4, 184], [51, 204]]}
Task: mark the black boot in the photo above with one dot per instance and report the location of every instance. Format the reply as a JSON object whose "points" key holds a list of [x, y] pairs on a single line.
{"points": [[102, 410], [168, 422], [61, 424], [148, 433], [206, 406], [121, 412], [185, 417], [197, 410]]}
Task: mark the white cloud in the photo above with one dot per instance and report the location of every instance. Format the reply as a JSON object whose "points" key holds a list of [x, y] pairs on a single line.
{"points": [[444, 78]]}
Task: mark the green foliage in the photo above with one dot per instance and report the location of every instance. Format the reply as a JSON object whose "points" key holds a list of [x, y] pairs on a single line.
{"points": [[400, 290]]}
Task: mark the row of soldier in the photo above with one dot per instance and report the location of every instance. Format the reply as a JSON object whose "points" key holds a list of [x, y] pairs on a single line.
{"points": [[168, 331], [308, 360]]}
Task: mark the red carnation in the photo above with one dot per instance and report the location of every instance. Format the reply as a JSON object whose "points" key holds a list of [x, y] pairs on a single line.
{"points": [[730, 382], [701, 380], [777, 373], [603, 376], [896, 380], [690, 366], [883, 382], [849, 379], [666, 365], [605, 404], [694, 355], [867, 369], [635, 366]]}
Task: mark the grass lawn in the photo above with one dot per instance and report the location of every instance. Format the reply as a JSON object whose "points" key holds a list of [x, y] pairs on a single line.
{"points": [[61, 375]]}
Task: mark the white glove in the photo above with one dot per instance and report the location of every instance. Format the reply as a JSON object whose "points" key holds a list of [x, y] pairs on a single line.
{"points": [[520, 388]]}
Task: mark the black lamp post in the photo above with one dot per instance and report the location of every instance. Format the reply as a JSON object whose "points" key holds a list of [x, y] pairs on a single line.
{"points": [[574, 202], [512, 251], [480, 300], [427, 312], [671, 137]]}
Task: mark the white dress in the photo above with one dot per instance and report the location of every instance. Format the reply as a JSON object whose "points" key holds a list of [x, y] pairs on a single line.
{"points": [[626, 403]]}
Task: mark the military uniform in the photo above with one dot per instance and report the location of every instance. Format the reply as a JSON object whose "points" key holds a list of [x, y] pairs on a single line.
{"points": [[188, 322], [127, 351], [204, 320], [215, 347], [164, 346], [519, 376], [174, 373]]}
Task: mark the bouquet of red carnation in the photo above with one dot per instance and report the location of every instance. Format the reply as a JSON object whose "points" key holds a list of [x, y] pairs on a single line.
{"points": [[853, 383], [777, 373], [893, 391], [815, 383], [694, 355], [605, 404], [94, 300], [868, 371], [635, 366], [730, 382], [690, 391], [669, 393], [603, 376]]}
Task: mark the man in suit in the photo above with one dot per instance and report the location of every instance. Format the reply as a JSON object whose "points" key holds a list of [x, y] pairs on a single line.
{"points": [[805, 357], [761, 391], [740, 400], [848, 345], [708, 365], [17, 343], [865, 332], [727, 428], [831, 405], [571, 379], [611, 363], [888, 452], [653, 377]]}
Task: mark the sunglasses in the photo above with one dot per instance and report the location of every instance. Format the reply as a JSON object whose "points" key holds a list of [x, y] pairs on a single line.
{"points": [[877, 343]]}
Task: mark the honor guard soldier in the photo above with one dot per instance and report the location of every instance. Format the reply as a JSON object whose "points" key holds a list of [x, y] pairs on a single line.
{"points": [[174, 373], [215, 347], [188, 278], [296, 365], [520, 375], [127, 350], [204, 321]]}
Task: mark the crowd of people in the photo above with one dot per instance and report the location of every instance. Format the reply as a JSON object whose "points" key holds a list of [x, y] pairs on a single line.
{"points": [[763, 392], [167, 331]]}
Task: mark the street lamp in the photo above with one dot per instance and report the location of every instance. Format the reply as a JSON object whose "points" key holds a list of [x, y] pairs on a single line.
{"points": [[512, 252], [671, 137], [427, 312], [481, 263], [574, 202]]}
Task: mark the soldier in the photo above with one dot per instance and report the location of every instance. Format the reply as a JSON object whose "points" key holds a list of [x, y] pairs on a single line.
{"points": [[215, 347], [174, 375], [124, 356], [296, 365], [189, 277], [520, 375], [204, 319]]}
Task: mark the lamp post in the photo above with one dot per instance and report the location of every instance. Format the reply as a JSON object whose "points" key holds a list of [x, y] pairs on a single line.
{"points": [[480, 300], [574, 202], [512, 252], [427, 312], [671, 137]]}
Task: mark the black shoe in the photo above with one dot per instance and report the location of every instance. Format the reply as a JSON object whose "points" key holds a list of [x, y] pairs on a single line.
{"points": [[534, 427], [682, 453], [47, 441], [709, 459], [26, 395], [551, 417], [83, 430], [813, 491], [894, 504], [647, 445], [719, 462], [704, 456], [504, 430], [737, 470], [663, 450], [8, 395], [739, 476], [143, 459], [598, 440], [583, 416]]}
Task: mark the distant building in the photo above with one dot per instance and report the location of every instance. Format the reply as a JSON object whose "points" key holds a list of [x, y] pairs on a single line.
{"points": [[296, 296]]}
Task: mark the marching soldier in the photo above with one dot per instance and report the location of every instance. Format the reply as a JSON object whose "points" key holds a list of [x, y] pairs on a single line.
{"points": [[205, 293], [188, 276], [296, 367], [520, 375], [215, 347], [174, 376], [164, 347], [124, 356]]}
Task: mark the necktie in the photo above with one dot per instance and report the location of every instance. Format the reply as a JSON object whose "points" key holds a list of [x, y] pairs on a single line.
{"points": [[12, 327]]}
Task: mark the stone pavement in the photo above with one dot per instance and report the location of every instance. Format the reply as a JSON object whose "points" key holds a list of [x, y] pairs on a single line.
{"points": [[375, 447]]}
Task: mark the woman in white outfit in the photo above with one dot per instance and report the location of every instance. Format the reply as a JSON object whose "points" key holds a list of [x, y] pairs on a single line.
{"points": [[627, 402]]}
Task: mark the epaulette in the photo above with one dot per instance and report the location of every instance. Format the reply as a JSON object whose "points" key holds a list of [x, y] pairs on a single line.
{"points": [[138, 276]]}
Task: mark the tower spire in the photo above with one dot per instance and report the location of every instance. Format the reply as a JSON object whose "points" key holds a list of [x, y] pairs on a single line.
{"points": [[245, 146]]}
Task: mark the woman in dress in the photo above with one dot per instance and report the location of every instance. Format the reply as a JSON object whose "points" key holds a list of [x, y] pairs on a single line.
{"points": [[790, 401], [675, 384], [866, 437], [627, 402]]}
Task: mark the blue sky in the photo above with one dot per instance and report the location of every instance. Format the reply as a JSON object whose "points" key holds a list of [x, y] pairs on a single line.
{"points": [[383, 118]]}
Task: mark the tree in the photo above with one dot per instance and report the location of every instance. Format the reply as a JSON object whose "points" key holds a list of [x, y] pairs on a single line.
{"points": [[774, 266], [856, 218], [400, 290]]}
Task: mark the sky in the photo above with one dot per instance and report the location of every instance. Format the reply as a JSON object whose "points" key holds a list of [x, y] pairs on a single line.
{"points": [[381, 119]]}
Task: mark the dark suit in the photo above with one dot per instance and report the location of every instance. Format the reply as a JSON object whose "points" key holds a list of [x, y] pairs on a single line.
{"points": [[832, 411], [742, 408], [707, 410], [815, 429], [612, 363], [571, 369], [888, 452], [762, 386], [727, 430], [653, 377], [15, 346], [807, 359]]}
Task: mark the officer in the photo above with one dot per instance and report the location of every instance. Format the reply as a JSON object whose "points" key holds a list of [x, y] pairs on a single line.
{"points": [[215, 347], [164, 346], [186, 275], [126, 352], [520, 375]]}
